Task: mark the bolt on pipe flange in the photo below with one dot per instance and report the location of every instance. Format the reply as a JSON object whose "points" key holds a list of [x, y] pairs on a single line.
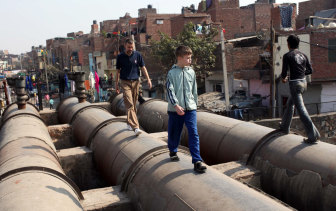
{"points": [[80, 86], [20, 91]]}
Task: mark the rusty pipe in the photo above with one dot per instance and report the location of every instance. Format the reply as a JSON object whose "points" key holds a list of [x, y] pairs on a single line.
{"points": [[118, 106], [30, 171], [141, 165], [224, 139]]}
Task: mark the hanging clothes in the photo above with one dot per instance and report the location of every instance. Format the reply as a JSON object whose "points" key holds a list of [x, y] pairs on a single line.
{"points": [[30, 84], [101, 82], [61, 78], [66, 80], [91, 80], [27, 83], [286, 16], [97, 81]]}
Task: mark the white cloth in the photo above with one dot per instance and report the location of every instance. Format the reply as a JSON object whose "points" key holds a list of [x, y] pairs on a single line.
{"points": [[91, 80]]}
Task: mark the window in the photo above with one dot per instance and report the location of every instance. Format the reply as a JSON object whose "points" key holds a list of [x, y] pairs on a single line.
{"points": [[217, 88], [159, 21], [332, 50]]}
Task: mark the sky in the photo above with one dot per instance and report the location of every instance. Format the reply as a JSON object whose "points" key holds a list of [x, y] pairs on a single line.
{"points": [[27, 23]]}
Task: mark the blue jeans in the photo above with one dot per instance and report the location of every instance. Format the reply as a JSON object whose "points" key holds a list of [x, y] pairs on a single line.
{"points": [[175, 126], [297, 88]]}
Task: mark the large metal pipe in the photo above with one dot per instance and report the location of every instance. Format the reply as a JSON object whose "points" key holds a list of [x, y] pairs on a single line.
{"points": [[278, 156], [118, 106], [31, 176], [142, 166]]}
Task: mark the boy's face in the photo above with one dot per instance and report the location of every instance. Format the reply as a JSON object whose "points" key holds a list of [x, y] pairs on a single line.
{"points": [[185, 60]]}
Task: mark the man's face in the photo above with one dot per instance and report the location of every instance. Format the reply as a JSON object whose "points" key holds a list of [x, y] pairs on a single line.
{"points": [[129, 48], [186, 60]]}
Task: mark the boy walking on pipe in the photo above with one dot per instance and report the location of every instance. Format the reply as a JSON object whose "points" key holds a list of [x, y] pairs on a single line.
{"points": [[299, 66], [182, 105]]}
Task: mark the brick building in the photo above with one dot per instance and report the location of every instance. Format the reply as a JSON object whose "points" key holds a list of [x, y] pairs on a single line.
{"points": [[247, 63], [309, 8], [179, 21]]}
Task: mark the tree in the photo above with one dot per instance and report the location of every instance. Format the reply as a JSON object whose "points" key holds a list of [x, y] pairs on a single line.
{"points": [[202, 45]]}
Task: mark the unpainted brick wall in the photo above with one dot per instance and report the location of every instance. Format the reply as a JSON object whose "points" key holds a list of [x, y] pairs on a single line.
{"points": [[248, 23], [322, 68], [246, 58]]}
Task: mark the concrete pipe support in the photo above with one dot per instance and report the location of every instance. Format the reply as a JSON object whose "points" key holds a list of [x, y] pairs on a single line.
{"points": [[31, 176]]}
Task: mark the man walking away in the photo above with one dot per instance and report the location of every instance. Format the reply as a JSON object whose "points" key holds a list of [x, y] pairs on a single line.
{"points": [[182, 105], [129, 64], [299, 66]]}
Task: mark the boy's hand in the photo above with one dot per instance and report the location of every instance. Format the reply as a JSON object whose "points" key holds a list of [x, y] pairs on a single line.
{"points": [[284, 80], [179, 110]]}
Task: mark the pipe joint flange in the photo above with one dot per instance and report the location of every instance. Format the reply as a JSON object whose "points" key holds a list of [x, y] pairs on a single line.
{"points": [[74, 116], [100, 126], [144, 158]]}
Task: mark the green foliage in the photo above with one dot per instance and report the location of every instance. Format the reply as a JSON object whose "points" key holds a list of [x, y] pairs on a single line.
{"points": [[104, 33], [203, 48]]}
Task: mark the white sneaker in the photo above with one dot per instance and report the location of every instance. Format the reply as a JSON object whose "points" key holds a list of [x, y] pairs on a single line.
{"points": [[129, 127], [137, 131]]}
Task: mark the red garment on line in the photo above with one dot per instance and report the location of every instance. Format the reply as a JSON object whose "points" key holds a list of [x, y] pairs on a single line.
{"points": [[97, 82]]}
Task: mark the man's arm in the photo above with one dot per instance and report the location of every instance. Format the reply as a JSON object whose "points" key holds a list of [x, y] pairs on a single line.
{"points": [[118, 67], [145, 72], [284, 69], [117, 81]]}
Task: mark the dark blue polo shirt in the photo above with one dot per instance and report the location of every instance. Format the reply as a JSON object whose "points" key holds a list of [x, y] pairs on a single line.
{"points": [[129, 65]]}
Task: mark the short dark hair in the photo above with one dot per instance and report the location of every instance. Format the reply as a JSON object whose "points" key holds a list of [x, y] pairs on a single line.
{"points": [[182, 51], [293, 41], [129, 41]]}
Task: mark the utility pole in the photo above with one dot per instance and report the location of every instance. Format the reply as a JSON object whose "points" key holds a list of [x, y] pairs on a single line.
{"points": [[45, 69], [6, 93], [225, 82], [132, 37], [273, 103], [20, 62]]}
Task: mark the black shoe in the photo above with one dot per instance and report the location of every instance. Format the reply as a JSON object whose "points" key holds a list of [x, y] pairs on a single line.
{"points": [[199, 168], [308, 141], [283, 130], [173, 156]]}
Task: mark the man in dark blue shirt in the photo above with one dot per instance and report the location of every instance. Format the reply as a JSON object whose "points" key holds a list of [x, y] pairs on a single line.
{"points": [[129, 64], [299, 66]]}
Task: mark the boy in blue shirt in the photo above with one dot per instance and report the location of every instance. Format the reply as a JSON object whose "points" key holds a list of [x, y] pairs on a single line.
{"points": [[182, 106]]}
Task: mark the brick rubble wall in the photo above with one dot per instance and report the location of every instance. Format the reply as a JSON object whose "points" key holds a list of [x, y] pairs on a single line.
{"points": [[325, 123]]}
